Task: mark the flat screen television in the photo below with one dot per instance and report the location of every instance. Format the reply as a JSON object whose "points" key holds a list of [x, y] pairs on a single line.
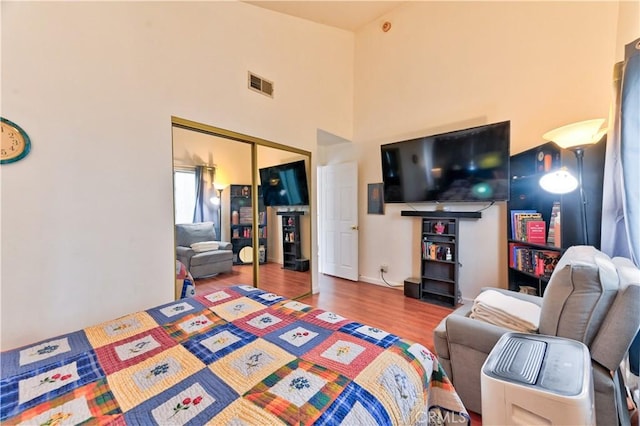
{"points": [[285, 184], [470, 165]]}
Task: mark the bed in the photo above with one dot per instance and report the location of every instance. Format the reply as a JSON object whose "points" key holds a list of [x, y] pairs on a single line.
{"points": [[238, 356]]}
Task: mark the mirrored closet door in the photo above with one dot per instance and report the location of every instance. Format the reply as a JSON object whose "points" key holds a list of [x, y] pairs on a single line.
{"points": [[262, 230]]}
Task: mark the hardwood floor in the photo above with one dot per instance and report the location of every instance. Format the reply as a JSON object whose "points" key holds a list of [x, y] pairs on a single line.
{"points": [[383, 307], [273, 278]]}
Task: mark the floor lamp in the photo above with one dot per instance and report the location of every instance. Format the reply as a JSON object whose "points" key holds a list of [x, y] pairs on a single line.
{"points": [[575, 137]]}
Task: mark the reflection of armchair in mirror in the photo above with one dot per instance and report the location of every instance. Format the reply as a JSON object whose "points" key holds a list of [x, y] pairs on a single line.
{"points": [[258, 260], [200, 251]]}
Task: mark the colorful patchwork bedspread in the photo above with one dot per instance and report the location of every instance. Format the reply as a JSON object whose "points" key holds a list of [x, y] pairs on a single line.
{"points": [[236, 356]]}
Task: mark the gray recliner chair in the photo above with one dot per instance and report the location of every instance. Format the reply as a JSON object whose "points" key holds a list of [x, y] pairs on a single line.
{"points": [[590, 298], [206, 263]]}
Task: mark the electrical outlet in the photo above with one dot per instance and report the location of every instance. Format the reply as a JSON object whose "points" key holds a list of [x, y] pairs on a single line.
{"points": [[384, 268]]}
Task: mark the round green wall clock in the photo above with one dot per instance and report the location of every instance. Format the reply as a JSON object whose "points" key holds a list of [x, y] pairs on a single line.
{"points": [[14, 142]]}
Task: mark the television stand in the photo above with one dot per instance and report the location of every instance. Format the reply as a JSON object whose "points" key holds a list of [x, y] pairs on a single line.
{"points": [[441, 213]]}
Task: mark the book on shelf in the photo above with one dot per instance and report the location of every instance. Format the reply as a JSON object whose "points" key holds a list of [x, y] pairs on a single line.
{"points": [[550, 259], [246, 215], [432, 251], [554, 235], [536, 231], [515, 214], [513, 253], [523, 219], [537, 262]]}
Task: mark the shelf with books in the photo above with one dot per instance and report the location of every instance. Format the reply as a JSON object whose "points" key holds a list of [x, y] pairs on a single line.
{"points": [[534, 261], [528, 226], [531, 265], [241, 223], [292, 241], [439, 260], [542, 222]]}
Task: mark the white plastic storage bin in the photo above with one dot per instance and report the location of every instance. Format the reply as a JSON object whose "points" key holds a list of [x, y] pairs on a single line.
{"points": [[531, 379]]}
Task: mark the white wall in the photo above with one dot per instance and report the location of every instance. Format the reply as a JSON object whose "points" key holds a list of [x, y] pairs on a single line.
{"points": [[628, 25], [451, 65], [87, 220]]}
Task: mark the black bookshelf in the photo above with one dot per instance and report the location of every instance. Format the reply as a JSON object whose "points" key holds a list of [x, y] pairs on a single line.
{"points": [[525, 193], [439, 261], [241, 211], [292, 242]]}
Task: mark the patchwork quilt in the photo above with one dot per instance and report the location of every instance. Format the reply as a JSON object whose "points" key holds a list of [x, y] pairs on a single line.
{"points": [[235, 356]]}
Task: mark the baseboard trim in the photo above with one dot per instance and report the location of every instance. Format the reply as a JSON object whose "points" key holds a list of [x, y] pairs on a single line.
{"points": [[397, 286], [379, 282]]}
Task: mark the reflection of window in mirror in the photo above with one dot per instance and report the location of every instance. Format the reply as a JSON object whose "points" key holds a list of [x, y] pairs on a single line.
{"points": [[184, 195]]}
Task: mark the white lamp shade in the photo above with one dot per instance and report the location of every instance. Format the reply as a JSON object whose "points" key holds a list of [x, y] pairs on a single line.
{"points": [[577, 135], [559, 182]]}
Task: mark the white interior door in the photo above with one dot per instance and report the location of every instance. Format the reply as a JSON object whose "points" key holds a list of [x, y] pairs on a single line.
{"points": [[339, 220]]}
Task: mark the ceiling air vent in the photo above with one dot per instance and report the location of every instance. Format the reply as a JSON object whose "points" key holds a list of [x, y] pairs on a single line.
{"points": [[260, 85]]}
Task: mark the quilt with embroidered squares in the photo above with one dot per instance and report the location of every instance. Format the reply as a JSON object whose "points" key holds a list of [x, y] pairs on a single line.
{"points": [[236, 356]]}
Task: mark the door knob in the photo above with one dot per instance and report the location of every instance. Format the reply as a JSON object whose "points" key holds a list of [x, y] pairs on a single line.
{"points": [[354, 227]]}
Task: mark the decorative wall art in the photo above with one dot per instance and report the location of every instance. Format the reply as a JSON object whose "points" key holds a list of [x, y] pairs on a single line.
{"points": [[375, 201]]}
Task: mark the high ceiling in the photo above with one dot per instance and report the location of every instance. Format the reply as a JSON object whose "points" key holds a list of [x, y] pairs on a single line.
{"points": [[348, 15]]}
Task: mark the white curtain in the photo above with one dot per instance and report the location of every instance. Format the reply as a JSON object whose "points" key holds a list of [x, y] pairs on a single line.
{"points": [[204, 211]]}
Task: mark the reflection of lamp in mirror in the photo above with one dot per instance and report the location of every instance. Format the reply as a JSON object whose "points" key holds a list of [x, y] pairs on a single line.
{"points": [[212, 173], [575, 137], [217, 200]]}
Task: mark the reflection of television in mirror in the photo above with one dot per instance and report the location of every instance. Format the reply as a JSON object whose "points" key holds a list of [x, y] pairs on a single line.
{"points": [[470, 165], [285, 184]]}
